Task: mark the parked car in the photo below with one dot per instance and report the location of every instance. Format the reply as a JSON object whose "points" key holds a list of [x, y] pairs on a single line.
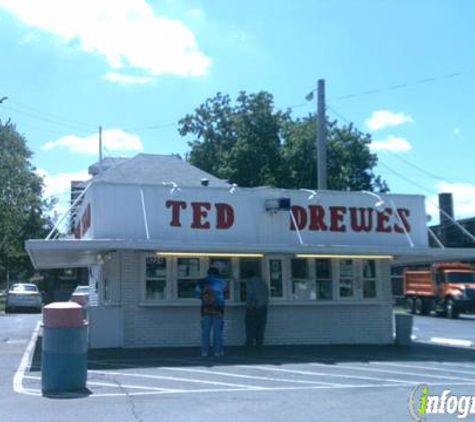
{"points": [[81, 295], [25, 296]]}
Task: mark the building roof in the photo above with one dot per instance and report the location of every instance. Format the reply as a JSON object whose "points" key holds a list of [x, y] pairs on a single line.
{"points": [[105, 164], [154, 169]]}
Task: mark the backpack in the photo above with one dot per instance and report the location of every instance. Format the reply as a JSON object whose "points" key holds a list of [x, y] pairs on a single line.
{"points": [[207, 294]]}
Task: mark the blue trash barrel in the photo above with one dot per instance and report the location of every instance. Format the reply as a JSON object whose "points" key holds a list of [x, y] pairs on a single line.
{"points": [[64, 348]]}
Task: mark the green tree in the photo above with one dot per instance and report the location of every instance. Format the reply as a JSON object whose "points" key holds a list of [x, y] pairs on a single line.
{"points": [[21, 206], [349, 161], [241, 142], [252, 144]]}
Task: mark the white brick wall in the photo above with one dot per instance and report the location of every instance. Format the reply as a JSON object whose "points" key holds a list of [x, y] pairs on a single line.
{"points": [[337, 323]]}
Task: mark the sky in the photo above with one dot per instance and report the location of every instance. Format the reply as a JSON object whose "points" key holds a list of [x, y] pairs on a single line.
{"points": [[402, 71]]}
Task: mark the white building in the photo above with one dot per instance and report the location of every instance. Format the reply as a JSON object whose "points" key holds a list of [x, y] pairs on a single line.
{"points": [[148, 230]]}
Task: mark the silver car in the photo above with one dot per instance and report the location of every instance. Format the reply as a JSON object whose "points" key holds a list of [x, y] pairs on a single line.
{"points": [[23, 296]]}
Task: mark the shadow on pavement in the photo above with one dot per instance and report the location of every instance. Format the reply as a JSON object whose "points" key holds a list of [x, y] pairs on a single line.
{"points": [[273, 355], [277, 355]]}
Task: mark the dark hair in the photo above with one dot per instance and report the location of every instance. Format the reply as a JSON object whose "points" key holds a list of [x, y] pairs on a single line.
{"points": [[213, 271]]}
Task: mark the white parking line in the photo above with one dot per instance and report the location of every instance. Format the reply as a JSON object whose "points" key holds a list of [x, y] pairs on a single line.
{"points": [[344, 367], [128, 374], [404, 373], [312, 373], [316, 387], [25, 361], [107, 384], [430, 368], [459, 365], [255, 377], [451, 342]]}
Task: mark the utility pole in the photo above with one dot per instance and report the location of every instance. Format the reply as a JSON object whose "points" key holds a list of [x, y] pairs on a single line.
{"points": [[321, 137], [100, 149]]}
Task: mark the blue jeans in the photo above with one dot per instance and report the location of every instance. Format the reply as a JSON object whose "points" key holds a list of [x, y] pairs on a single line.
{"points": [[212, 323]]}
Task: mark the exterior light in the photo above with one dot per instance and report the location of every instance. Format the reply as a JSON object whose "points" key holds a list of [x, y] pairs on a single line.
{"points": [[212, 254], [379, 205], [313, 195], [175, 190], [277, 204], [338, 256]]}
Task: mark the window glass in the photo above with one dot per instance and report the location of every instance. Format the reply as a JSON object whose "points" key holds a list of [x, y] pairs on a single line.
{"points": [[189, 274], [276, 284], [156, 282], [299, 268], [302, 287], [369, 269], [369, 279], [346, 278], [188, 267], [324, 279]]}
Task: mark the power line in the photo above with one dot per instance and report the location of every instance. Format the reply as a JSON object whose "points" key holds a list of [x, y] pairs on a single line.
{"points": [[407, 162], [404, 85], [44, 119], [164, 126], [54, 116]]}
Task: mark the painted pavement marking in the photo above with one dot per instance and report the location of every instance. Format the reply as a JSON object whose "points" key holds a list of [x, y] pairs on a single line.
{"points": [[313, 373], [25, 361], [424, 375], [225, 384]]}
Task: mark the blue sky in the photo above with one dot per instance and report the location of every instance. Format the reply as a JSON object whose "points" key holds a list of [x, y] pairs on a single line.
{"points": [[137, 67]]}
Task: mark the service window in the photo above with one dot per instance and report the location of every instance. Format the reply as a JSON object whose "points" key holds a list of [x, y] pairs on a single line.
{"points": [[188, 275], [247, 267], [324, 279], [155, 278], [302, 287], [225, 268], [276, 278], [369, 279], [346, 278]]}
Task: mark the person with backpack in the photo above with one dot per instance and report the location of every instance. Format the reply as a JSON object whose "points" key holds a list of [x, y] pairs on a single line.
{"points": [[211, 290]]}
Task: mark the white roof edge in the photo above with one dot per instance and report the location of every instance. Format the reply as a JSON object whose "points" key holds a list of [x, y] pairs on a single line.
{"points": [[227, 185], [151, 245]]}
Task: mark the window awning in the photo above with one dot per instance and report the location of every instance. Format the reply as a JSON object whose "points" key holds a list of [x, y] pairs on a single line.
{"points": [[69, 253]]}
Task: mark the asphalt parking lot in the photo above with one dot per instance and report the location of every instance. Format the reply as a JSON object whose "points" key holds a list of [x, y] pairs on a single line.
{"points": [[280, 384]]}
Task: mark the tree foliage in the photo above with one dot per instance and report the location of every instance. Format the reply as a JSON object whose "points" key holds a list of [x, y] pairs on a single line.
{"points": [[21, 204], [251, 144], [240, 143]]}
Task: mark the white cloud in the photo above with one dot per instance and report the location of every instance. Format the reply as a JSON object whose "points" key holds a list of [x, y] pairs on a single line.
{"points": [[384, 118], [127, 33], [60, 183], [127, 79], [463, 199], [391, 143], [58, 189], [112, 140]]}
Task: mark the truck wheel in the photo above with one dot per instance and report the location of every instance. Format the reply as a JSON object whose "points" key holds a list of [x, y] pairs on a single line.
{"points": [[450, 310], [410, 305], [419, 307]]}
